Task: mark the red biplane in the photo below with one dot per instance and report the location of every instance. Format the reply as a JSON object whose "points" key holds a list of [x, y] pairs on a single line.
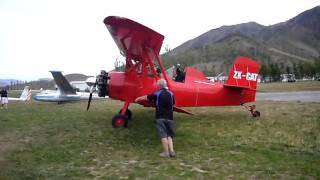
{"points": [[141, 46]]}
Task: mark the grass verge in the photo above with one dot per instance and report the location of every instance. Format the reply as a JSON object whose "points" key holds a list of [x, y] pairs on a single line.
{"points": [[50, 141], [287, 87]]}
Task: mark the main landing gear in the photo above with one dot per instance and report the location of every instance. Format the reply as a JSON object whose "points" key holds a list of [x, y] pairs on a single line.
{"points": [[122, 119], [119, 121]]}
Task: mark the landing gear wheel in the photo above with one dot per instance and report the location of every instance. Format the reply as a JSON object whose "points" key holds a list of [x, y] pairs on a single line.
{"points": [[119, 121], [128, 113]]}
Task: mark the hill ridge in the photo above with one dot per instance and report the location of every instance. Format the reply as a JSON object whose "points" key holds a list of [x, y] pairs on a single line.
{"points": [[286, 44]]}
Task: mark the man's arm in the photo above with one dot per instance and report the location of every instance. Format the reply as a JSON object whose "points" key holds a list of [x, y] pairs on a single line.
{"points": [[173, 100], [150, 97]]}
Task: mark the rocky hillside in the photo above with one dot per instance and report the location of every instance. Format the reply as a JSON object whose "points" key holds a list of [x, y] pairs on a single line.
{"points": [[287, 44]]}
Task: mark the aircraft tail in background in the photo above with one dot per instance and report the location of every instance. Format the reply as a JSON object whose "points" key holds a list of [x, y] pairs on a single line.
{"points": [[63, 84], [25, 95]]}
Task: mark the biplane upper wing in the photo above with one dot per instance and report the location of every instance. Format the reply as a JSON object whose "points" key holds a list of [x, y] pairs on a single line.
{"points": [[133, 38]]}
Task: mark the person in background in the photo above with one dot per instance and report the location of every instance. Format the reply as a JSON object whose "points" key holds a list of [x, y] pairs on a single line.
{"points": [[102, 83], [4, 98], [179, 74]]}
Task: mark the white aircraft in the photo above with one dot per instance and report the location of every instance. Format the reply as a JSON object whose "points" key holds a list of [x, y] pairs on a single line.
{"points": [[65, 92], [25, 95]]}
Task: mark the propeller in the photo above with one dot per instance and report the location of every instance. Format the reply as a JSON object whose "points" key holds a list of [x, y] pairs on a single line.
{"points": [[93, 82], [90, 97]]}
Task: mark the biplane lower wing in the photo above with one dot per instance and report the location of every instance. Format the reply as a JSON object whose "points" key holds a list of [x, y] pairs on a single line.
{"points": [[180, 110], [147, 103]]}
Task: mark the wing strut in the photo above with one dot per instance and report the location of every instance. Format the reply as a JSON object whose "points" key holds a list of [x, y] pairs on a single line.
{"points": [[163, 71]]}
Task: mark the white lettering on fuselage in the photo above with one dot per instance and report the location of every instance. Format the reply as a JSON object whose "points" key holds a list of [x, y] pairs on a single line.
{"points": [[237, 75], [252, 76], [249, 76]]}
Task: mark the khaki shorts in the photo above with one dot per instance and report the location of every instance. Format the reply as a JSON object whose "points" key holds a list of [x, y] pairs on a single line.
{"points": [[4, 100]]}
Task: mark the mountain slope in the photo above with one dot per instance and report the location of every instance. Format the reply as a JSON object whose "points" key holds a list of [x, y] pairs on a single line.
{"points": [[289, 43]]}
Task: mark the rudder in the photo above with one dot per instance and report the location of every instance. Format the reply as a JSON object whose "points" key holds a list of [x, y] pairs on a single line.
{"points": [[26, 94], [244, 74]]}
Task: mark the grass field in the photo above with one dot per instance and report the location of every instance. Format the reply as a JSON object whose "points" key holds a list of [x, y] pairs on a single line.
{"points": [[284, 87], [50, 141]]}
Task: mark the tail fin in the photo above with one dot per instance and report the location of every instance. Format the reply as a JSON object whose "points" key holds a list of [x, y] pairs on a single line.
{"points": [[26, 94], [244, 74], [62, 83]]}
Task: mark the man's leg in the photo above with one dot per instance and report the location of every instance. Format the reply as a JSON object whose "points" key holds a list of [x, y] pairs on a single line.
{"points": [[170, 146], [165, 147]]}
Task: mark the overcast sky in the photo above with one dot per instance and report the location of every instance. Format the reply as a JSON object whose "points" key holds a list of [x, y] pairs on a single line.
{"points": [[69, 35]]}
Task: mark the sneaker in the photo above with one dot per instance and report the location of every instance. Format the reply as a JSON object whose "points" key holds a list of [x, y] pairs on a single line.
{"points": [[164, 155], [172, 154]]}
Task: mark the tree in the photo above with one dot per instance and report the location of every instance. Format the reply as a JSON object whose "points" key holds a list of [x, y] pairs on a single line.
{"points": [[275, 72], [288, 70], [167, 48], [296, 70], [317, 66], [308, 69], [263, 70]]}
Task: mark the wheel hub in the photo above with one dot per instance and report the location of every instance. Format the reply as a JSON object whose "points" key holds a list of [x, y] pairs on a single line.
{"points": [[119, 122]]}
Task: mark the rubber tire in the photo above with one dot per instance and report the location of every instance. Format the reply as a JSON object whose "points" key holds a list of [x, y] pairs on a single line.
{"points": [[115, 121], [128, 113]]}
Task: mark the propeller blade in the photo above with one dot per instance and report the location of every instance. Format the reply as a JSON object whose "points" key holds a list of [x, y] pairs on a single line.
{"points": [[89, 101], [90, 97]]}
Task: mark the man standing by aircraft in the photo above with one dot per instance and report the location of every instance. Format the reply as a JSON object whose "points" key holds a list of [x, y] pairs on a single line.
{"points": [[164, 102], [101, 82]]}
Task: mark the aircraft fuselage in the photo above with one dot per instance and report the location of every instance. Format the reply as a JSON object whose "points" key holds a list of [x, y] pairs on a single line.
{"points": [[55, 97], [195, 91]]}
